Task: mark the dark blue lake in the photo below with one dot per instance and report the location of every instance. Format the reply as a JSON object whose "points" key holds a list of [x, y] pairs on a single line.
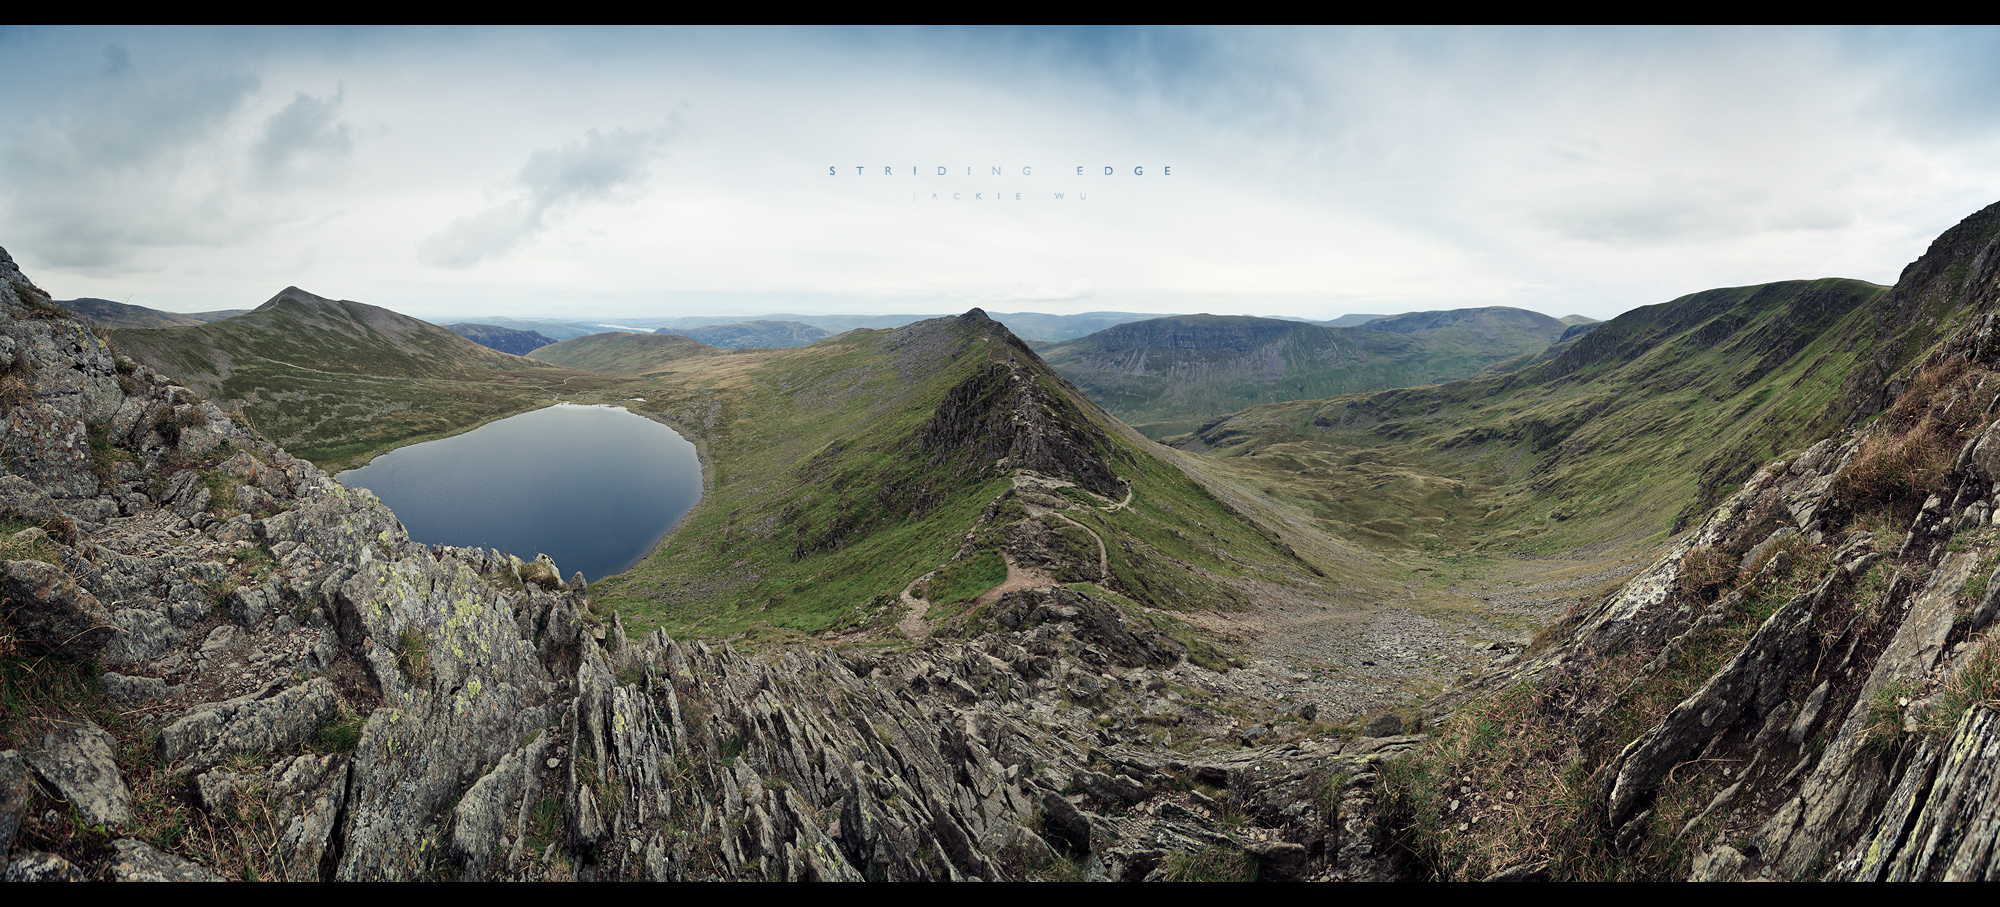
{"points": [[595, 487]]}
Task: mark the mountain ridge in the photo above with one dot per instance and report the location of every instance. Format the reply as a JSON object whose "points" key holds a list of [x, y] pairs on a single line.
{"points": [[1692, 395], [273, 644], [306, 369], [1168, 375], [1801, 686]]}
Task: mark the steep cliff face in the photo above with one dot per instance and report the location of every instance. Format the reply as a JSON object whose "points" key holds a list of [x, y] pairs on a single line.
{"points": [[221, 663]]}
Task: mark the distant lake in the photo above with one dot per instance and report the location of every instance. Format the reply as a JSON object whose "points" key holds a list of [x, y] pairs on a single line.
{"points": [[594, 487]]}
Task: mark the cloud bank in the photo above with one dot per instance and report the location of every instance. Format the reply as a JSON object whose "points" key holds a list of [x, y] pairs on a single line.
{"points": [[625, 173]]}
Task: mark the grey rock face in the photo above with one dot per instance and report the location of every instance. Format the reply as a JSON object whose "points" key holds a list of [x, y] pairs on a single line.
{"points": [[247, 724], [138, 861], [37, 866], [51, 612]]}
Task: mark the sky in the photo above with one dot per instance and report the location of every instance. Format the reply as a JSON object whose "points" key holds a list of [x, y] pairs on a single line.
{"points": [[454, 173]]}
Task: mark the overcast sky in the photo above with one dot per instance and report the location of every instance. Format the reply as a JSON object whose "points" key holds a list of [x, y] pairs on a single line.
{"points": [[625, 173]]}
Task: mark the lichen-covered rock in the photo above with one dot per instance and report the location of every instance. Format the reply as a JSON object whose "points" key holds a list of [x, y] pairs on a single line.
{"points": [[16, 796], [253, 724], [38, 866], [50, 612], [1942, 823]]}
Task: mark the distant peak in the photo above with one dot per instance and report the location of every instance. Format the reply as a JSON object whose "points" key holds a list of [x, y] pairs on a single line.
{"points": [[295, 294]]}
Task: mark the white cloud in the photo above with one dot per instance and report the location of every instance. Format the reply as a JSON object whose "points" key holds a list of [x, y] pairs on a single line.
{"points": [[307, 139], [554, 182]]}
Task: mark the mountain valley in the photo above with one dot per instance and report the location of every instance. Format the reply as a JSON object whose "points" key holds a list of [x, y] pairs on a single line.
{"points": [[1167, 376], [1704, 591]]}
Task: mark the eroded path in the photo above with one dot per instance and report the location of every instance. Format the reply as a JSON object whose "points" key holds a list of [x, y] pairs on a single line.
{"points": [[1351, 648], [914, 623]]}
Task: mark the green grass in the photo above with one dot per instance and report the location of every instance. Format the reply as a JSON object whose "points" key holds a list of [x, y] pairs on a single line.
{"points": [[413, 658], [341, 733], [1633, 430], [30, 549], [1974, 682], [824, 500], [962, 581], [1213, 863]]}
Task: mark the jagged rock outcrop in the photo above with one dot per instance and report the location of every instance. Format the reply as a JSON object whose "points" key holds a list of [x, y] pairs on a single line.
{"points": [[1028, 427], [323, 698]]}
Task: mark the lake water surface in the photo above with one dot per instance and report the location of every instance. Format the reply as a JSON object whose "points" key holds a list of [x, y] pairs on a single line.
{"points": [[595, 487]]}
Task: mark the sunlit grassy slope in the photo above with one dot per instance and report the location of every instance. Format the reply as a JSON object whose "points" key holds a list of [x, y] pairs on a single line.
{"points": [[1627, 431]]}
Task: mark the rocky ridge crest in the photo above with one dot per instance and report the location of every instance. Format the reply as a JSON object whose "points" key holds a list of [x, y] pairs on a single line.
{"points": [[296, 690]]}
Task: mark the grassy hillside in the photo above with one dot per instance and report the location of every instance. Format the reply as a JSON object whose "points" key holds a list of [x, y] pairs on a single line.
{"points": [[842, 472], [1628, 430], [1168, 375], [332, 380]]}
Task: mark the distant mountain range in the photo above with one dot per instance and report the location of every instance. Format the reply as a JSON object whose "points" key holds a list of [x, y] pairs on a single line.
{"points": [[1713, 586], [753, 334], [506, 340], [1168, 375], [1037, 327]]}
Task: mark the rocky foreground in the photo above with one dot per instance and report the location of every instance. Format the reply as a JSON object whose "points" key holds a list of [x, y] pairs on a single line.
{"points": [[269, 680], [298, 691]]}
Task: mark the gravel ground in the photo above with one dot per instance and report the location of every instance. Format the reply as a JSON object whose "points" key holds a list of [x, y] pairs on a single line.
{"points": [[1356, 656]]}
